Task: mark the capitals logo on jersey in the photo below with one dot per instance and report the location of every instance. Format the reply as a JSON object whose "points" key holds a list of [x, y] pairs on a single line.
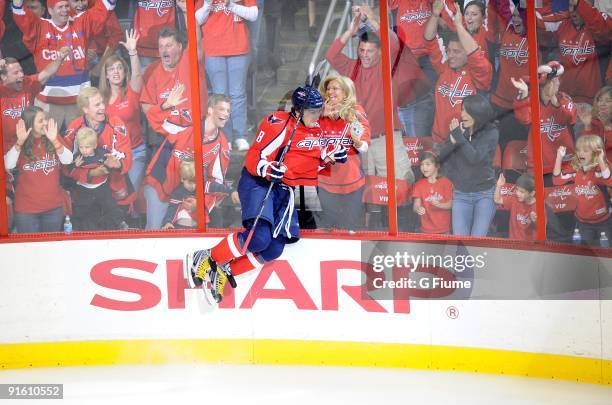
{"points": [[551, 128], [517, 52], [434, 198], [577, 50], [46, 164], [14, 112], [589, 191], [456, 92], [416, 16], [161, 6]]}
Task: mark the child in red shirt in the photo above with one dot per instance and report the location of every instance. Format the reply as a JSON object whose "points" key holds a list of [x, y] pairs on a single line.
{"points": [[433, 197], [521, 205], [590, 173]]}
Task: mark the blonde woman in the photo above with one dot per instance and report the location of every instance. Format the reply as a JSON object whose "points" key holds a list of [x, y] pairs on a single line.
{"points": [[341, 187]]}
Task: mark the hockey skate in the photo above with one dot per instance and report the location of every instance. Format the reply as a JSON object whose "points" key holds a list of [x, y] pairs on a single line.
{"points": [[204, 272]]}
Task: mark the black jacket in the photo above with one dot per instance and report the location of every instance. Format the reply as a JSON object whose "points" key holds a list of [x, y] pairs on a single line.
{"points": [[468, 163]]}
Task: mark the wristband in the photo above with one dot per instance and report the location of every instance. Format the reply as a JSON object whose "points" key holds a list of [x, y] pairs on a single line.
{"points": [[133, 54]]}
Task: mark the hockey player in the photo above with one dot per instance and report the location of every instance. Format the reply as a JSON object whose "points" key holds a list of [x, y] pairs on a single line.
{"points": [[265, 235]]}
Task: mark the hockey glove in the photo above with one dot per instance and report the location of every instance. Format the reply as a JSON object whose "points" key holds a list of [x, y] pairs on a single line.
{"points": [[271, 171], [334, 154]]}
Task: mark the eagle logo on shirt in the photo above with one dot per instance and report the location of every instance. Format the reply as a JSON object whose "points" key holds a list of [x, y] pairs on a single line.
{"points": [[273, 119]]}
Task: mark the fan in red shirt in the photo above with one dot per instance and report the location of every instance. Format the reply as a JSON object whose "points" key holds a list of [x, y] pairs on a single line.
{"points": [[37, 154], [557, 114], [17, 92], [590, 173], [45, 37], [224, 26], [343, 123], [411, 18], [521, 204], [577, 36], [121, 87], [433, 196], [466, 71], [150, 18]]}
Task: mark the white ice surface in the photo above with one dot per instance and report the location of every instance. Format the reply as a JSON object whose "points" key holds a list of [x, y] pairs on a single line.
{"points": [[295, 385]]}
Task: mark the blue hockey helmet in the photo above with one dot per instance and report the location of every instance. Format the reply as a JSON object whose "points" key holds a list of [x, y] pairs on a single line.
{"points": [[306, 98]]}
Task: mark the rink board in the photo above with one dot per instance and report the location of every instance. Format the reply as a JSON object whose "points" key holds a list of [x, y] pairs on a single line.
{"points": [[126, 301]]}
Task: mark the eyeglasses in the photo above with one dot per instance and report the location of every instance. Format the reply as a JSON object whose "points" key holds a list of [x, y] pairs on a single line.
{"points": [[115, 68]]}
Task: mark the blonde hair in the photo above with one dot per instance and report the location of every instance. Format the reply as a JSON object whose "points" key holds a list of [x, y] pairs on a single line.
{"points": [[592, 143], [85, 94], [347, 106], [105, 87], [603, 91], [86, 136], [187, 170]]}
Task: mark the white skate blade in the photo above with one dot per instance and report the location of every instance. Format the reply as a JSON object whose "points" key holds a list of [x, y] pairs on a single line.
{"points": [[187, 270], [208, 295]]}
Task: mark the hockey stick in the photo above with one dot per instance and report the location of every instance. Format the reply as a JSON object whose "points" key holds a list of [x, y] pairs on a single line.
{"points": [[314, 81]]}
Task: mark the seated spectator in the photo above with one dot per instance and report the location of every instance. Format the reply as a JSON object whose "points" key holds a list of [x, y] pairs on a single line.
{"points": [[557, 113], [37, 154], [433, 196], [93, 205], [17, 92], [341, 187], [467, 157], [181, 213], [522, 224], [121, 88], [112, 136], [163, 171], [226, 48], [590, 173], [45, 37], [466, 72]]}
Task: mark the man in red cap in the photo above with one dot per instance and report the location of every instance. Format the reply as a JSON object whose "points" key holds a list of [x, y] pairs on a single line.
{"points": [[45, 37]]}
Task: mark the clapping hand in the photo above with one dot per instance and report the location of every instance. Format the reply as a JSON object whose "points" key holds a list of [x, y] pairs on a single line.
{"points": [[22, 133], [175, 97], [521, 86], [51, 132], [501, 181], [131, 40]]}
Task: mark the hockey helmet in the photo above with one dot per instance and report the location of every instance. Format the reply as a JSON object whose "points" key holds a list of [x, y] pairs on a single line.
{"points": [[307, 98]]}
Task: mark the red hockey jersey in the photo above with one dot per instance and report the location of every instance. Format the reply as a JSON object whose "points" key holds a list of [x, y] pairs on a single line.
{"points": [[38, 182], [592, 206], [348, 177], [412, 15], [454, 85], [554, 128], [520, 225], [513, 62], [304, 156], [44, 39], [13, 104], [150, 17], [225, 33]]}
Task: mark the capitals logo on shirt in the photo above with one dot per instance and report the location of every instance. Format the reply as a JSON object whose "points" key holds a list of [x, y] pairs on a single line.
{"points": [[588, 190], [523, 219], [15, 112], [416, 16], [161, 6], [518, 52], [577, 50], [46, 164], [434, 198], [551, 128], [455, 92]]}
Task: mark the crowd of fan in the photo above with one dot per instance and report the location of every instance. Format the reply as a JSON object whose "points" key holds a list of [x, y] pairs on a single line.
{"points": [[460, 94]]}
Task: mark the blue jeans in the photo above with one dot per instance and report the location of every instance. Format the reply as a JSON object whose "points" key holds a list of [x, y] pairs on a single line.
{"points": [[417, 117], [48, 221], [473, 212], [227, 75], [139, 164], [156, 209]]}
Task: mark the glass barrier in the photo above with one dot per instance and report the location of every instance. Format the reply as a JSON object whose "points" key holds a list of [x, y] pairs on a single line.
{"points": [[575, 120]]}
